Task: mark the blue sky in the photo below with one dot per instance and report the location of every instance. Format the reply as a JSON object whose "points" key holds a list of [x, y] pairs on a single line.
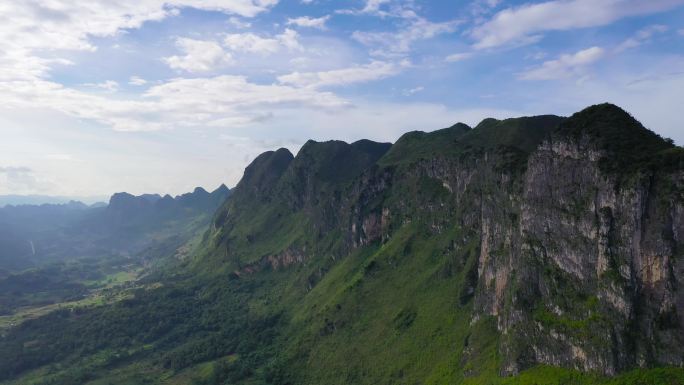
{"points": [[160, 96]]}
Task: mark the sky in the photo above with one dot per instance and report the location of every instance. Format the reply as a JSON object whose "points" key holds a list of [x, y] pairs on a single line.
{"points": [[160, 96]]}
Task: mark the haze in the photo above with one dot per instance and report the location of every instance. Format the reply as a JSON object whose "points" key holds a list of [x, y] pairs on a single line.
{"points": [[162, 96]]}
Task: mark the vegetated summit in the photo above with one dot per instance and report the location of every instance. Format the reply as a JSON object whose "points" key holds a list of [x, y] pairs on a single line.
{"points": [[534, 250]]}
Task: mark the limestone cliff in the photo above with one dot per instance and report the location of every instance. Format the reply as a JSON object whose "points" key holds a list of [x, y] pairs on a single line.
{"points": [[567, 231]]}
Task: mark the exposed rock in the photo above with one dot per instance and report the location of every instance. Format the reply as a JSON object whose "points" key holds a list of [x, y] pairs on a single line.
{"points": [[576, 248]]}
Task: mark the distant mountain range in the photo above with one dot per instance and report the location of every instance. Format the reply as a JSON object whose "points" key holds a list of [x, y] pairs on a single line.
{"points": [[37, 200], [33, 234], [525, 251]]}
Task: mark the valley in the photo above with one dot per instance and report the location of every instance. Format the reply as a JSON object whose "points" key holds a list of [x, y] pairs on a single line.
{"points": [[81, 283], [533, 250]]}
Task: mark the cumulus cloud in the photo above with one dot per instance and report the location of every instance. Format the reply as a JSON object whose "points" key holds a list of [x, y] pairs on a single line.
{"points": [[310, 22], [137, 81], [250, 42], [175, 103], [565, 66], [29, 45], [33, 35], [198, 56], [226, 93], [32, 32], [357, 74], [526, 23], [373, 5]]}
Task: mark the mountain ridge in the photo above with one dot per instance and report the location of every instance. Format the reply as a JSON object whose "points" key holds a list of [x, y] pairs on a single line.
{"points": [[458, 164], [504, 254], [58, 231]]}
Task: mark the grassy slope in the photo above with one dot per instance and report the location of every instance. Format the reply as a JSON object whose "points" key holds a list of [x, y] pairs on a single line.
{"points": [[385, 314], [366, 321], [386, 330]]}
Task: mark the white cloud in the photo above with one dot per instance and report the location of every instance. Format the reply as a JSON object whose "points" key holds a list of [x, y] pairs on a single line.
{"points": [[250, 42], [642, 36], [565, 66], [400, 42], [13, 169], [176, 103], [20, 180], [162, 163], [482, 7], [209, 101], [358, 74], [28, 27], [526, 23], [370, 7], [412, 91], [199, 56], [137, 81], [107, 85], [59, 156], [373, 5], [305, 21], [33, 35], [238, 23], [456, 57], [234, 93], [384, 8]]}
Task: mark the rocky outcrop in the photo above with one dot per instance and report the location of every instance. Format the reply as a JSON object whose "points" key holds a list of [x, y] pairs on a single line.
{"points": [[572, 244], [592, 280]]}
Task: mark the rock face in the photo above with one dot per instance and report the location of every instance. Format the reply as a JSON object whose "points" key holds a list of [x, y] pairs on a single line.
{"points": [[568, 231], [598, 289], [589, 274]]}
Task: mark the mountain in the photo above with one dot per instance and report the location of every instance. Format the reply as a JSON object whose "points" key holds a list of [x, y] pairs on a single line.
{"points": [[31, 235], [37, 200], [21, 228], [533, 250], [544, 231]]}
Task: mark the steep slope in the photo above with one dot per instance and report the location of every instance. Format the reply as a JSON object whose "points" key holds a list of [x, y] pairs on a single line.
{"points": [[284, 205], [551, 243], [533, 250], [590, 269]]}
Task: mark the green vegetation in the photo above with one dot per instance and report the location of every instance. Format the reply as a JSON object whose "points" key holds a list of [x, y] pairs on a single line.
{"points": [[629, 146], [60, 282], [348, 264], [518, 136], [147, 225]]}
